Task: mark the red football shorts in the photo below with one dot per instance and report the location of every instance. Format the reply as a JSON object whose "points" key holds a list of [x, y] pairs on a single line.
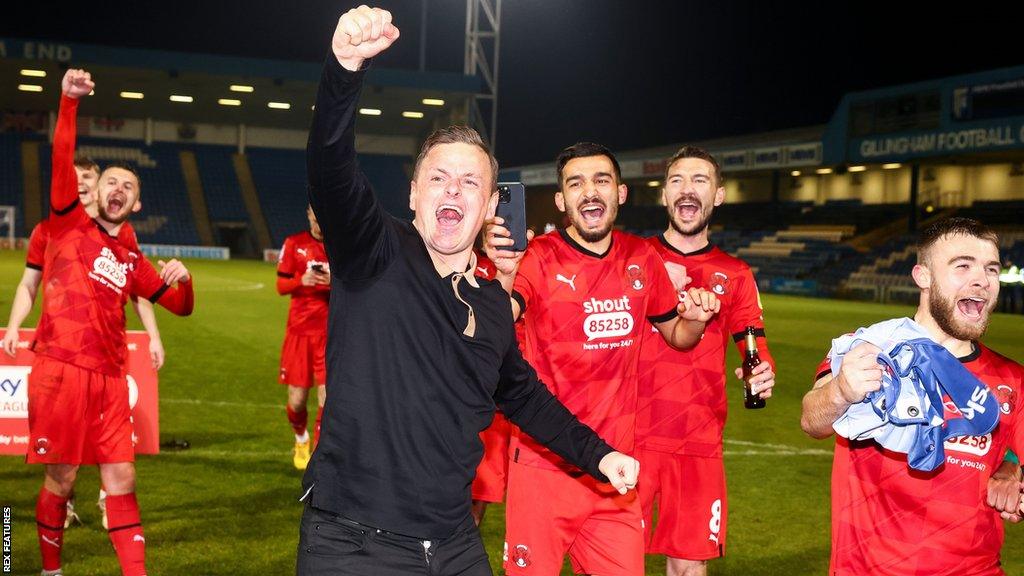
{"points": [[690, 492], [77, 416], [492, 473], [302, 361], [550, 513]]}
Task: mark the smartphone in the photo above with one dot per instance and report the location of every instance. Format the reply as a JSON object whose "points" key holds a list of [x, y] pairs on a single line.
{"points": [[512, 208], [318, 268]]}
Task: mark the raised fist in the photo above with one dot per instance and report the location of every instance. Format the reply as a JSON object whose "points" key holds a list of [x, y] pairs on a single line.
{"points": [[362, 33], [76, 83]]}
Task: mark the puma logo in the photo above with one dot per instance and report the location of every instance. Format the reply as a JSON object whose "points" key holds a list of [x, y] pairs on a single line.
{"points": [[51, 542], [570, 281]]}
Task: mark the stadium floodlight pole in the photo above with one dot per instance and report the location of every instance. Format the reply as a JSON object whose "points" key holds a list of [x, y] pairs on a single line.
{"points": [[482, 58]]}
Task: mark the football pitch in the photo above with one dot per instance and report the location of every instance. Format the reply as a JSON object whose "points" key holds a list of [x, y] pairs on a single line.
{"points": [[228, 504]]}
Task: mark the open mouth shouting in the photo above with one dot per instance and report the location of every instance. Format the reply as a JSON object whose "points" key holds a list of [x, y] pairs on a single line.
{"points": [[592, 212], [972, 307], [115, 203], [449, 215], [687, 208]]}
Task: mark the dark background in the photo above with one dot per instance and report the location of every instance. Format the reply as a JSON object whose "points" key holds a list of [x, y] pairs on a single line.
{"points": [[628, 74]]}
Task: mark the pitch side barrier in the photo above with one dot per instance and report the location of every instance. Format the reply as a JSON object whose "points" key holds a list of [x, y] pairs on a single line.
{"points": [[178, 251], [779, 285]]}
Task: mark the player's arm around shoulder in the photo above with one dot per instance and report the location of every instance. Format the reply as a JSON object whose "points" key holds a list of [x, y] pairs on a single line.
{"points": [[859, 374]]}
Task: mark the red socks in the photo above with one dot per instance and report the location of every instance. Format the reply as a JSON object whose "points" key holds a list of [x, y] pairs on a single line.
{"points": [[51, 511], [316, 431], [125, 530], [298, 420]]}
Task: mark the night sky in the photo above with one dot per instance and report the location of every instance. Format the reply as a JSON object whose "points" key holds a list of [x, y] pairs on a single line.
{"points": [[628, 74]]}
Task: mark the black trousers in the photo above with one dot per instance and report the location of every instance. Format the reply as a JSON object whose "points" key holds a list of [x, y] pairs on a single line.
{"points": [[332, 545]]}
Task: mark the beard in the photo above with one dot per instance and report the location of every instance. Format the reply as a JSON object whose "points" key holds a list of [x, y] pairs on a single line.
{"points": [[593, 235], [694, 228], [943, 310], [102, 210]]}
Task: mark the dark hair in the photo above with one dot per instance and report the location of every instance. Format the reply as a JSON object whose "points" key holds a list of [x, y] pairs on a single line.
{"points": [[457, 135], [696, 152], [955, 226], [85, 163], [125, 166], [585, 150]]}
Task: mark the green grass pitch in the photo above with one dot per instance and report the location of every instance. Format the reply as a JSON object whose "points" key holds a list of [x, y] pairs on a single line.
{"points": [[229, 504]]}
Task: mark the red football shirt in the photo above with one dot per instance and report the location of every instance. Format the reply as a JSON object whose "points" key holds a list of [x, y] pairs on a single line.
{"points": [[682, 405], [584, 314], [88, 275], [40, 237], [307, 313], [891, 520]]}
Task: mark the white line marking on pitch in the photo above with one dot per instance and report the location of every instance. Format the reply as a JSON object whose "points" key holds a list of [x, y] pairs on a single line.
{"points": [[765, 449], [239, 287], [219, 403], [227, 453]]}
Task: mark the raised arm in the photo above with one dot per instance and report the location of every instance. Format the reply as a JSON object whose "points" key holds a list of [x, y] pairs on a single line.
{"points": [[344, 203], [65, 209]]}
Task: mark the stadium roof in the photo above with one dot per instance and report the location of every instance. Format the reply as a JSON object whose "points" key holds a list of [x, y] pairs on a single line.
{"points": [[206, 79]]}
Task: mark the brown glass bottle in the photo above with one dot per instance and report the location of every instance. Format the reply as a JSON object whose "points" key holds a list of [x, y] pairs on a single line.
{"points": [[750, 360]]}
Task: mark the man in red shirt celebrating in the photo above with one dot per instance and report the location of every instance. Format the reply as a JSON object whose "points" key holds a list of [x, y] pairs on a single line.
{"points": [[588, 294], [78, 395], [88, 173], [682, 406], [892, 520], [304, 274]]}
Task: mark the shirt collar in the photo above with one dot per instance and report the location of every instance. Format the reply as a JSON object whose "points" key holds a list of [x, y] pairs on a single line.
{"points": [[444, 270]]}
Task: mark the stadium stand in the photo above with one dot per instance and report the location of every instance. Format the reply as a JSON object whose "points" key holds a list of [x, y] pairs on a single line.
{"points": [[166, 217], [280, 178], [11, 192]]}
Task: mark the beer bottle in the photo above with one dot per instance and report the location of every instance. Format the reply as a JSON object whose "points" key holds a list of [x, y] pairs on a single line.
{"points": [[750, 360]]}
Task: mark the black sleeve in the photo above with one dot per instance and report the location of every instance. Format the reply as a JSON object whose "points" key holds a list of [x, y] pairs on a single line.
{"points": [[528, 403], [358, 240]]}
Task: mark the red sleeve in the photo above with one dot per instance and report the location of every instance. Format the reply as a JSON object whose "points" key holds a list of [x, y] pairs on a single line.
{"points": [[65, 209], [37, 246], [529, 272], [745, 310], [147, 284], [661, 306], [287, 280], [1017, 437], [824, 369]]}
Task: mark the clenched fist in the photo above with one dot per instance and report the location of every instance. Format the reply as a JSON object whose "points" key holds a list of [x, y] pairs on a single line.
{"points": [[76, 83], [362, 33], [860, 373]]}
